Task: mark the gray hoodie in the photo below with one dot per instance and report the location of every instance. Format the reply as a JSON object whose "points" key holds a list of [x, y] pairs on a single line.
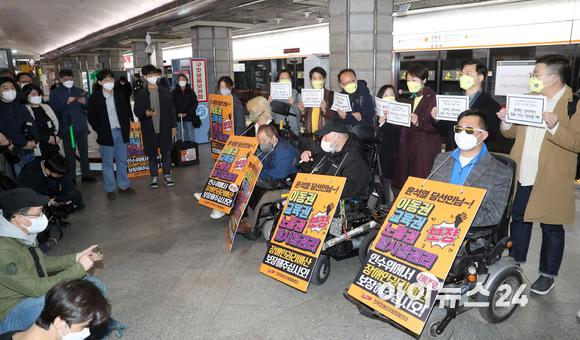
{"points": [[9, 230]]}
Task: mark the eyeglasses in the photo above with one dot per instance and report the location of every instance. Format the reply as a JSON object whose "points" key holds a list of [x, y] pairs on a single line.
{"points": [[468, 129]]}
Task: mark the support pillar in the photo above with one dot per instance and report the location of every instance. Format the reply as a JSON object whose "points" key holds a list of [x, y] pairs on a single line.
{"points": [[140, 58], [361, 38], [215, 44], [111, 59]]}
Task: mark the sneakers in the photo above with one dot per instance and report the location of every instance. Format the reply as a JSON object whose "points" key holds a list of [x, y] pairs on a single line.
{"points": [[543, 285], [216, 214], [154, 183], [197, 195], [168, 181]]}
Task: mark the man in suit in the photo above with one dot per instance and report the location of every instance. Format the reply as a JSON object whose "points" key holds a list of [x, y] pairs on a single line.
{"points": [[471, 165], [473, 74]]}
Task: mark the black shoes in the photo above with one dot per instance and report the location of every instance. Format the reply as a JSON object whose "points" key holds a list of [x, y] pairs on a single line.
{"points": [[543, 285], [90, 179]]}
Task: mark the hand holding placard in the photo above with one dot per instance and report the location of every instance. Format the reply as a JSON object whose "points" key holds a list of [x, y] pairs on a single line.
{"points": [[399, 114], [312, 97], [342, 102], [449, 107], [281, 91], [526, 110]]}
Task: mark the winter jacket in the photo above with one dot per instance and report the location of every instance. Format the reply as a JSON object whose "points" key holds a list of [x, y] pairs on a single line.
{"points": [[280, 162], [186, 102], [167, 120], [32, 177], [13, 117], [360, 101], [58, 103]]}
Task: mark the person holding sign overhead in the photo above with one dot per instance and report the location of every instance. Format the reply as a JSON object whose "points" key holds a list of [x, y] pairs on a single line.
{"points": [[420, 143], [361, 100], [315, 117], [284, 76], [473, 73], [546, 158]]}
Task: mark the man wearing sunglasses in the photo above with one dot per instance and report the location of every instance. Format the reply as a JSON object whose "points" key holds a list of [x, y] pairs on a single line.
{"points": [[472, 166]]}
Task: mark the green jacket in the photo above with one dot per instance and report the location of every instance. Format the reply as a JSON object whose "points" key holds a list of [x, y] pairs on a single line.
{"points": [[19, 278]]}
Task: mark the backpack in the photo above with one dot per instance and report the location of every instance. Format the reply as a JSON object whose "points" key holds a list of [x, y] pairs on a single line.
{"points": [[571, 111]]}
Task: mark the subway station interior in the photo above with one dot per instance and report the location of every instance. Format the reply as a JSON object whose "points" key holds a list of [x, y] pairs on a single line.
{"points": [[167, 266]]}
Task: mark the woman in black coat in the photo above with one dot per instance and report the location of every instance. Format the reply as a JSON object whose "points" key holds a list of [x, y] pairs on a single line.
{"points": [[185, 102], [163, 138], [389, 148]]}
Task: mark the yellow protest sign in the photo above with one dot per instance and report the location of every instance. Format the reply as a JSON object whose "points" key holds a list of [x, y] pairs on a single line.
{"points": [[414, 250], [221, 112], [301, 230], [250, 178], [137, 159], [228, 173]]}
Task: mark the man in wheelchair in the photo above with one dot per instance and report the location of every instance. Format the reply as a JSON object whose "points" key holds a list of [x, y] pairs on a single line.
{"points": [[279, 159]]}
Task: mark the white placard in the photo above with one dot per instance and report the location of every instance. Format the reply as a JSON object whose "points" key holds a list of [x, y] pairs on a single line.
{"points": [[312, 97], [513, 77], [526, 110], [281, 91], [399, 113], [381, 105], [451, 106], [341, 101]]}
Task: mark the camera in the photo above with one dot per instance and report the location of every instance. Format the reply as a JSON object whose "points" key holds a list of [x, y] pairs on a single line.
{"points": [[63, 210], [26, 131]]}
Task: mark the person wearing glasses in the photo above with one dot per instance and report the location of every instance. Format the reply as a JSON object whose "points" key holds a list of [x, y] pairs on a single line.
{"points": [[361, 100], [472, 165], [24, 269]]}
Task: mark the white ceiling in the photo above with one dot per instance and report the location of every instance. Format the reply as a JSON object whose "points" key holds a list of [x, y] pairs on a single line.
{"points": [[34, 27]]}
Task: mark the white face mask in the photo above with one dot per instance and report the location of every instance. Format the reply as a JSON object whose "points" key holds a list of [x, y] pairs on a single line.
{"points": [[152, 80], [9, 95], [85, 333], [225, 92], [69, 83], [108, 86], [182, 83], [122, 83], [466, 142], [36, 100], [327, 146], [38, 225]]}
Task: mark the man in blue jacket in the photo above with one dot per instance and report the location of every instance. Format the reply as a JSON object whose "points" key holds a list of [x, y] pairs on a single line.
{"points": [[279, 159], [68, 103], [361, 100]]}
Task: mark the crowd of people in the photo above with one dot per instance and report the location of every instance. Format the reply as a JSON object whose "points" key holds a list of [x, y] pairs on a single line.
{"points": [[33, 132]]}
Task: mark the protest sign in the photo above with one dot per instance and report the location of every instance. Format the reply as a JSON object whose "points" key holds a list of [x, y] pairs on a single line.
{"points": [[342, 102], [297, 240], [222, 122], [281, 91], [526, 110], [381, 105], [252, 173], [399, 113], [228, 173], [451, 106], [312, 97], [414, 250], [137, 159]]}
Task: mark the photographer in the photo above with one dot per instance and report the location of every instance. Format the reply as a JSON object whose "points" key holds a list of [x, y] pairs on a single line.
{"points": [[18, 125], [49, 176]]}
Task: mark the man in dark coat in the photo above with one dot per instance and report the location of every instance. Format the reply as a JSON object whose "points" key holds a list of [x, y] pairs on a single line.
{"points": [[155, 110], [125, 87], [361, 100], [473, 73], [342, 155], [110, 116]]}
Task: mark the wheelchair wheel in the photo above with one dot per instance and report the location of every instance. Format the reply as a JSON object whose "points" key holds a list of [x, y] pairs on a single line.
{"points": [[321, 270], [494, 313], [267, 230], [433, 322], [365, 245]]}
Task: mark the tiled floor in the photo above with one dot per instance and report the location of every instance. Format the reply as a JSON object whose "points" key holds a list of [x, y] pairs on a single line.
{"points": [[170, 275]]}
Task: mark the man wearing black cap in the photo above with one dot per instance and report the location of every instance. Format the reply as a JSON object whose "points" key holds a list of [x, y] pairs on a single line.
{"points": [[24, 268], [342, 155]]}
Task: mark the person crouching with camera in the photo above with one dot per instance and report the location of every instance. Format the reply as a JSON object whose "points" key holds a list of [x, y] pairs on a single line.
{"points": [[18, 125], [49, 176]]}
